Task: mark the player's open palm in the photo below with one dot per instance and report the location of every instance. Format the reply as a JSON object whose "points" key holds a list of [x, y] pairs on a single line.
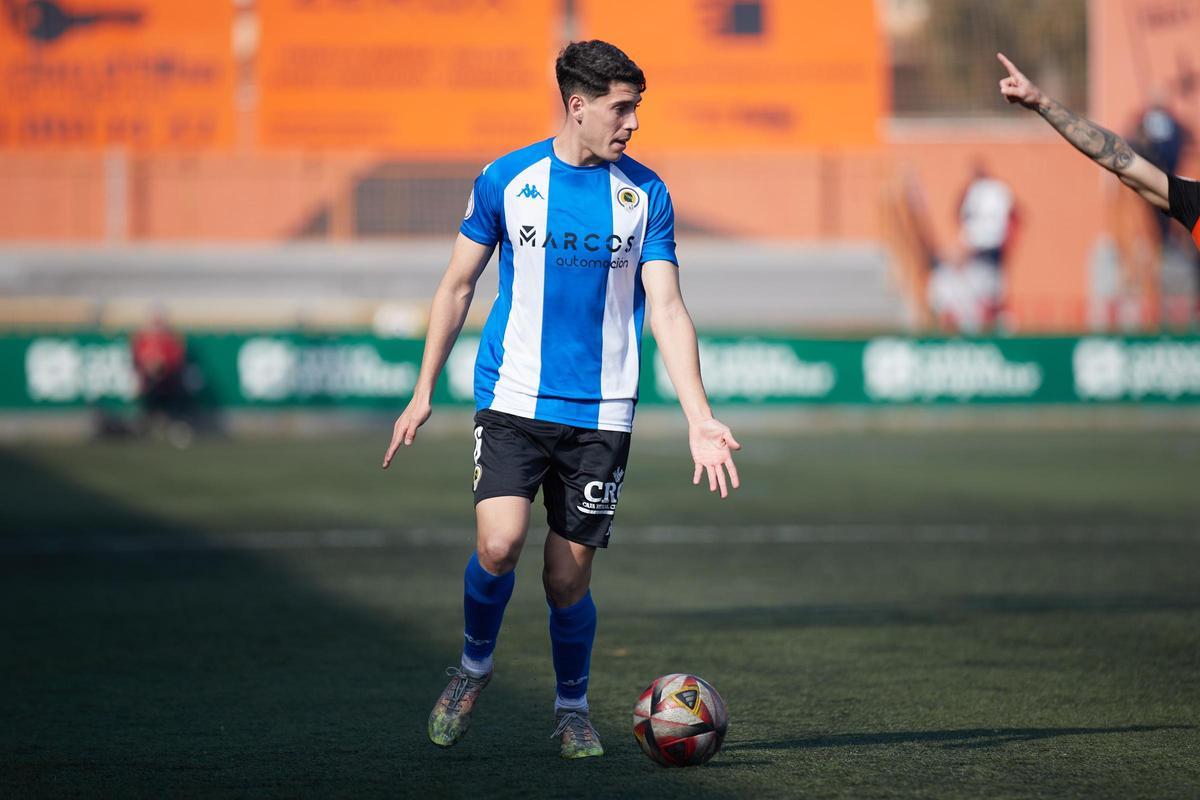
{"points": [[1016, 88], [712, 446], [404, 432]]}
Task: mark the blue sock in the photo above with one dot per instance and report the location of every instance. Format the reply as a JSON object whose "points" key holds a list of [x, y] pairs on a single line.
{"points": [[572, 631], [484, 598]]}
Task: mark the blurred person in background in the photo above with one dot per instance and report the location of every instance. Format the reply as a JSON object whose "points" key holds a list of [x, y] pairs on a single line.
{"points": [[586, 237], [1161, 138], [956, 288], [987, 218], [1166, 191], [159, 355]]}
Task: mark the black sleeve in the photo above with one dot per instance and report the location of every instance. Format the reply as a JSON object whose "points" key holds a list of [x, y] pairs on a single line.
{"points": [[1184, 196]]}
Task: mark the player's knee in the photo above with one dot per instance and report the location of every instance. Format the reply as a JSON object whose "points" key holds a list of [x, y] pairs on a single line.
{"points": [[498, 555], [564, 587]]}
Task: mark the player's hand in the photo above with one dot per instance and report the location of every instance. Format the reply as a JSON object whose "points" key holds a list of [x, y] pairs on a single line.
{"points": [[1016, 88], [712, 449], [404, 432]]}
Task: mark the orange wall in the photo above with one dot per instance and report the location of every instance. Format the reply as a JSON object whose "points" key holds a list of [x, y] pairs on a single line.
{"points": [[803, 196], [237, 198], [772, 195], [47, 197], [815, 194]]}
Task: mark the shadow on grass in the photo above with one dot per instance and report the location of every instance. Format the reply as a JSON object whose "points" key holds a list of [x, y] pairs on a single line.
{"points": [[966, 738], [191, 672], [221, 672]]}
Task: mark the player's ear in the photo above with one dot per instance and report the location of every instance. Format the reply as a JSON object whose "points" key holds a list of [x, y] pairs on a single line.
{"points": [[575, 108]]}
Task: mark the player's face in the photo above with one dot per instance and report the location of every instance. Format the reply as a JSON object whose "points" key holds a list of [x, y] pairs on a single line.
{"points": [[608, 121]]}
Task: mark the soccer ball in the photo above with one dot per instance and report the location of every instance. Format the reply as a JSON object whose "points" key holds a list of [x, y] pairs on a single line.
{"points": [[680, 721]]}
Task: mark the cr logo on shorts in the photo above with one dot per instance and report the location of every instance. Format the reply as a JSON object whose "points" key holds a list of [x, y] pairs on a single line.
{"points": [[600, 497]]}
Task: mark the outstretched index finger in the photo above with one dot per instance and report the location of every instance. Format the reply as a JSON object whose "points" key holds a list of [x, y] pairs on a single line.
{"points": [[1011, 67]]}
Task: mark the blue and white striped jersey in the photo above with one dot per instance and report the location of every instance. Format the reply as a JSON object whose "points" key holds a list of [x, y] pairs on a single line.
{"points": [[562, 340]]}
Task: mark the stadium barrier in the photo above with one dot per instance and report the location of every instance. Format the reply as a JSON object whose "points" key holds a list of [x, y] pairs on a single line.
{"points": [[294, 369]]}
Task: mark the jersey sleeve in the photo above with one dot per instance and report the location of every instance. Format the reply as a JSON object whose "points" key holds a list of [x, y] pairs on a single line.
{"points": [[481, 222], [660, 227], [1184, 196]]}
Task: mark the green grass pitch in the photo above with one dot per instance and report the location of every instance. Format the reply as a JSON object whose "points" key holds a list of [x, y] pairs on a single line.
{"points": [[888, 614]]}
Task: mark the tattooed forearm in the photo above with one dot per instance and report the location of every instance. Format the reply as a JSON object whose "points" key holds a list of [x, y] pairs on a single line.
{"points": [[1099, 144]]}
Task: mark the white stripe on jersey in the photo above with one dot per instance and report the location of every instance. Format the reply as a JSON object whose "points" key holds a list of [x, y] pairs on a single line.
{"points": [[619, 366], [520, 372]]}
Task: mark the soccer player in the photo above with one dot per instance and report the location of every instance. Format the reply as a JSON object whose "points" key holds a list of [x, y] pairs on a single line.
{"points": [[1177, 196], [586, 237]]}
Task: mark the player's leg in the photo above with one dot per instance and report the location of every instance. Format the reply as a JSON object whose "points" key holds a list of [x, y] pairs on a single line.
{"points": [[581, 493], [501, 525], [567, 576], [509, 465]]}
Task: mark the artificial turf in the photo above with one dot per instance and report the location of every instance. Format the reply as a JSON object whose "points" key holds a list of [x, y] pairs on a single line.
{"points": [[887, 614]]}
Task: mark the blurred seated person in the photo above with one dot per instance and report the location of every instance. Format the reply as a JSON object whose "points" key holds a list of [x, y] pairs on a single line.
{"points": [[963, 294], [160, 362]]}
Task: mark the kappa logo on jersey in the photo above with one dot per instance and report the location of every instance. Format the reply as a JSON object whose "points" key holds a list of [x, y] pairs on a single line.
{"points": [[628, 198], [470, 205], [600, 497], [531, 192]]}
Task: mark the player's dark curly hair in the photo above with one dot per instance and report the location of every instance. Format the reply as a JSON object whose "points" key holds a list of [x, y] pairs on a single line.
{"points": [[589, 68]]}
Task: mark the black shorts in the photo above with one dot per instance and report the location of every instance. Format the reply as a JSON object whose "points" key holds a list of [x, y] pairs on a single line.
{"points": [[579, 470]]}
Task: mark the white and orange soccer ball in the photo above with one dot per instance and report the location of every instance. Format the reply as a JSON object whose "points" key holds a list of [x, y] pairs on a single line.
{"points": [[680, 721]]}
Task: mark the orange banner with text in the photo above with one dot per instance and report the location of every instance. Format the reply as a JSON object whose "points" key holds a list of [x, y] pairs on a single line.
{"points": [[750, 74], [1143, 53], [415, 76], [147, 74]]}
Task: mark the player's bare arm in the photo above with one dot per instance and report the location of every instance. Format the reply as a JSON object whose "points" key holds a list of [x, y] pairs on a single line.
{"points": [[1097, 143], [447, 312], [711, 442]]}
